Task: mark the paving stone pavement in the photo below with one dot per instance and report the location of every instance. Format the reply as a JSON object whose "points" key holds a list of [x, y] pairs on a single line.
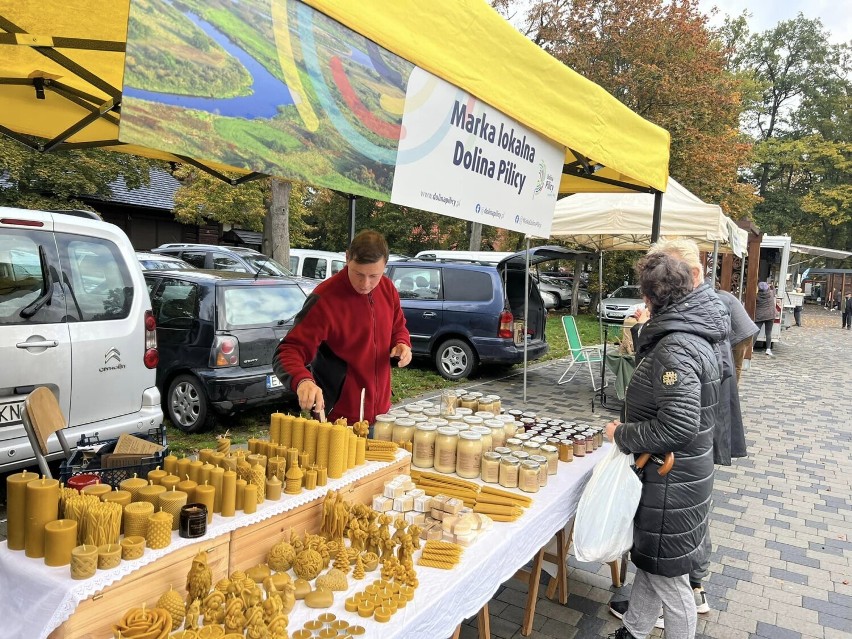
{"points": [[781, 524]]}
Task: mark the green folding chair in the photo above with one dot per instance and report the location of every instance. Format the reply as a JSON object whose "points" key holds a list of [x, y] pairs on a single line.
{"points": [[579, 354]]}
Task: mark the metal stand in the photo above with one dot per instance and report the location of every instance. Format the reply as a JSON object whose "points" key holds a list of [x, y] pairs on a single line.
{"points": [[601, 393]]}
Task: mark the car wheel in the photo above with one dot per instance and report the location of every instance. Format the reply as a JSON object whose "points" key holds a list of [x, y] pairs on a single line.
{"points": [[186, 404], [455, 359]]}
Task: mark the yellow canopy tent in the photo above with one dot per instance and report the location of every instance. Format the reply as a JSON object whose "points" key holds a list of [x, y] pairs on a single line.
{"points": [[61, 67]]}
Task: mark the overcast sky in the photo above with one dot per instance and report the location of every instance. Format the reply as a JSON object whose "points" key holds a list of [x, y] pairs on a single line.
{"points": [[836, 15]]}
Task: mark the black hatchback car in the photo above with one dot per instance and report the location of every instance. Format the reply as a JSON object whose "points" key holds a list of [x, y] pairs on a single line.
{"points": [[217, 332]]}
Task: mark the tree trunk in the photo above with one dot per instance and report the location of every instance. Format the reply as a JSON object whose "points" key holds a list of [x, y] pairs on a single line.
{"points": [[475, 237], [276, 223]]}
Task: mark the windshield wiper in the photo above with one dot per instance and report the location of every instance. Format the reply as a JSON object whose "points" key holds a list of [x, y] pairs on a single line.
{"points": [[46, 287]]}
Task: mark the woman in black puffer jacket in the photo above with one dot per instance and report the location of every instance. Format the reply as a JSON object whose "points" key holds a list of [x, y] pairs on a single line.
{"points": [[670, 406]]}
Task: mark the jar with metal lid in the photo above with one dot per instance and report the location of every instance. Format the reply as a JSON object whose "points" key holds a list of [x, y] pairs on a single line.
{"points": [[458, 425], [541, 460], [530, 414], [498, 404], [469, 454], [514, 444], [470, 402], [528, 476], [403, 431], [431, 412], [520, 454], [531, 447], [527, 422], [425, 403], [446, 444], [566, 450], [484, 414], [514, 412], [475, 394], [418, 418], [554, 422], [524, 437], [539, 439], [509, 468], [485, 434], [398, 412], [502, 450], [438, 421], [383, 428], [485, 403], [579, 445], [553, 441], [490, 472], [590, 441], [423, 451], [551, 452], [413, 409], [473, 420], [461, 411], [599, 436], [498, 434]]}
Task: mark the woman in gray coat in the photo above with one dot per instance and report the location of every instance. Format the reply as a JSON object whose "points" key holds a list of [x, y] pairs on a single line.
{"points": [[670, 407], [764, 312]]}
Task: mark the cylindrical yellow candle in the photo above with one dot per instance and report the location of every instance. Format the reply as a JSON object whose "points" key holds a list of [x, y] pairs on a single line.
{"points": [[103, 523], [195, 470], [132, 485], [292, 457], [252, 444], [310, 479], [241, 484], [275, 423], [109, 556], [216, 458], [216, 476], [323, 432], [311, 432], [16, 491], [84, 562], [99, 490], [136, 518], [206, 469], [351, 450], [159, 530], [170, 464], [206, 494], [360, 450], [229, 462], [298, 434], [258, 478], [60, 538], [204, 454], [303, 460], [120, 497], [263, 447], [257, 458], [229, 493], [132, 547], [337, 452], [287, 431], [280, 451], [151, 493], [275, 467], [249, 499], [170, 481], [188, 486], [42, 507], [171, 502], [156, 475], [322, 476], [273, 488], [183, 467]]}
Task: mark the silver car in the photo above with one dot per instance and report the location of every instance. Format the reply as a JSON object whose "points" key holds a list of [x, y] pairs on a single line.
{"points": [[624, 301]]}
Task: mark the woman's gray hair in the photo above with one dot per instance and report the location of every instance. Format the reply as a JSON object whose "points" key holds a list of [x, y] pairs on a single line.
{"points": [[663, 279]]}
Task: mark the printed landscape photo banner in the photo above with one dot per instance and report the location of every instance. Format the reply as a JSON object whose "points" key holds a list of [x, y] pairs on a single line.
{"points": [[276, 87]]}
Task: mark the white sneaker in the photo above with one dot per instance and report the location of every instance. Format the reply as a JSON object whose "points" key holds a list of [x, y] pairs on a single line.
{"points": [[659, 622], [701, 605], [769, 352]]}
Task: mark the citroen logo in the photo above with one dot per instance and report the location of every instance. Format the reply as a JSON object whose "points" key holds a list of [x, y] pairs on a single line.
{"points": [[112, 354]]}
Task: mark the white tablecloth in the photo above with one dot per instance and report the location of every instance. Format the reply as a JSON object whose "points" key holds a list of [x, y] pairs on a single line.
{"points": [[35, 599]]}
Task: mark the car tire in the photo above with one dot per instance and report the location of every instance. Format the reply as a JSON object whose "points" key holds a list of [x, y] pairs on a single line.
{"points": [[186, 405], [455, 359]]}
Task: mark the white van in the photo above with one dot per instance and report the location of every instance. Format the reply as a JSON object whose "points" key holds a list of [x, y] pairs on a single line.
{"points": [[75, 317], [482, 257], [318, 265]]}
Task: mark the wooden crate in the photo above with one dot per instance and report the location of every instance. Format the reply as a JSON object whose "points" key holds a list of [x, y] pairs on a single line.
{"points": [[250, 545], [95, 616]]}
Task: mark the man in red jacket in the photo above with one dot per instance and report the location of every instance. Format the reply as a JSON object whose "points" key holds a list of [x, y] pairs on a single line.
{"points": [[344, 337]]}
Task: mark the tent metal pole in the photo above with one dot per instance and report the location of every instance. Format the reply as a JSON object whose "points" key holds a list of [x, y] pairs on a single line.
{"points": [[658, 215], [526, 313], [600, 296], [715, 261]]}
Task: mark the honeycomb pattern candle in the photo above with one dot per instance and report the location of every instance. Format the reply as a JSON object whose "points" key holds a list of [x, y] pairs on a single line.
{"points": [[275, 467], [60, 538], [156, 475], [351, 449], [42, 506], [241, 484], [159, 530], [229, 493], [336, 452], [133, 484], [195, 470], [249, 499], [84, 562], [287, 431], [170, 464], [151, 493], [299, 434], [16, 499], [188, 486], [273, 488], [171, 502], [292, 457], [216, 477], [323, 432], [303, 460], [360, 450], [206, 494], [311, 432], [275, 424], [136, 518]]}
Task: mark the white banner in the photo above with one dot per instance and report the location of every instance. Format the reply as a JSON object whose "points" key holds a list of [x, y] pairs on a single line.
{"points": [[459, 157]]}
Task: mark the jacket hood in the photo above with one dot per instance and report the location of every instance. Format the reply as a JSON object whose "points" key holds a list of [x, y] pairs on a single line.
{"points": [[700, 313]]}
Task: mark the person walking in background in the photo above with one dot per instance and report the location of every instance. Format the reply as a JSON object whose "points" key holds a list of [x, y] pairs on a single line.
{"points": [[797, 313], [743, 329], [764, 313], [671, 406], [847, 312]]}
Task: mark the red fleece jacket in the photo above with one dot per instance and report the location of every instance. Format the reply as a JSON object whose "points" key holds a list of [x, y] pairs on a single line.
{"points": [[359, 329]]}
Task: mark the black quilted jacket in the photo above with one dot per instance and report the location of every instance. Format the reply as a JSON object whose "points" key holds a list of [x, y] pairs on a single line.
{"points": [[671, 405]]}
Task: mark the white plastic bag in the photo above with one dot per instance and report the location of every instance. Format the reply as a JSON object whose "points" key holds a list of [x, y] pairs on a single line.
{"points": [[603, 529]]}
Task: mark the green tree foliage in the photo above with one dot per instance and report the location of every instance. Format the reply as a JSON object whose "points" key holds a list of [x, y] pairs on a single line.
{"points": [[58, 179]]}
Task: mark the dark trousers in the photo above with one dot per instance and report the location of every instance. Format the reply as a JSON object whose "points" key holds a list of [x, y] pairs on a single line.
{"points": [[797, 315], [847, 321], [767, 329]]}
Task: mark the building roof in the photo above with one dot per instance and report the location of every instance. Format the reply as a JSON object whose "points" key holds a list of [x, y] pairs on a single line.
{"points": [[820, 251], [246, 237], [159, 193]]}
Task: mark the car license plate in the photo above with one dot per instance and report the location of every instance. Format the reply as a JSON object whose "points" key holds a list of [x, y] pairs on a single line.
{"points": [[10, 412], [272, 381]]}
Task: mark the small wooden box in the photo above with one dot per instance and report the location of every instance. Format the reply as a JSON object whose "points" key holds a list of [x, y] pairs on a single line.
{"points": [[250, 545], [95, 616]]}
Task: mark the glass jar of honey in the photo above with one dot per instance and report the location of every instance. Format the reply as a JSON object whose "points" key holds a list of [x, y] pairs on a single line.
{"points": [[528, 476], [509, 468]]}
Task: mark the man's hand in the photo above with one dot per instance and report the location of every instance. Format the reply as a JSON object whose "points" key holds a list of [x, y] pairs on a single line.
{"points": [[403, 352], [610, 429], [310, 396]]}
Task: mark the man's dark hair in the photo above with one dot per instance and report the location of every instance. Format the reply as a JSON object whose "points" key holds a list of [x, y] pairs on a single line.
{"points": [[368, 247], [663, 279]]}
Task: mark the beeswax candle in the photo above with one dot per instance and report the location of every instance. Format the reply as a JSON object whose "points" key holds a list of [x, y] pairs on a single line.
{"points": [[287, 431], [258, 478], [120, 497], [156, 475], [292, 457], [16, 492], [204, 454], [249, 492], [159, 530], [323, 432], [183, 467], [298, 434], [244, 469], [170, 464], [229, 462], [136, 518], [303, 460], [275, 423], [257, 458], [351, 449], [60, 538], [98, 490], [336, 452], [42, 507], [322, 476], [229, 493], [109, 556], [195, 470], [132, 485], [310, 479], [275, 467], [171, 502], [151, 493], [132, 547], [293, 481], [206, 494], [241, 484], [360, 450], [103, 524], [84, 562], [188, 486], [311, 432], [273, 488], [252, 445], [216, 458], [170, 481], [206, 469], [216, 476]]}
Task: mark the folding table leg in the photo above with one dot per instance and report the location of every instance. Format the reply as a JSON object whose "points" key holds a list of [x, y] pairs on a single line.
{"points": [[483, 622], [614, 573], [532, 595], [457, 633]]}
